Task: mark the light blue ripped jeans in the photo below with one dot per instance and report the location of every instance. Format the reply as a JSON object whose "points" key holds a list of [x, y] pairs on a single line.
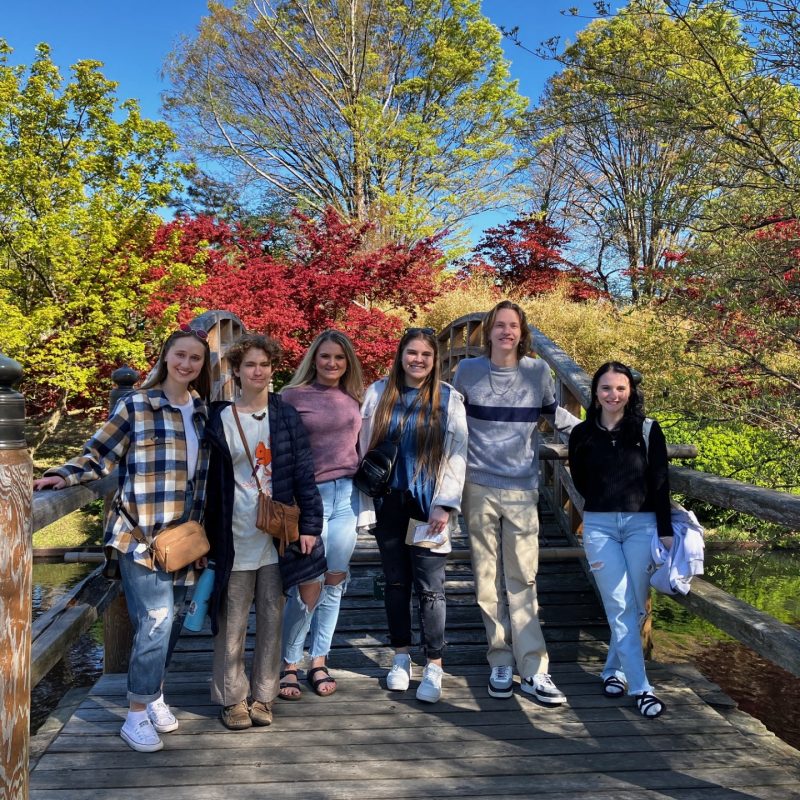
{"points": [[153, 604], [618, 551], [339, 537]]}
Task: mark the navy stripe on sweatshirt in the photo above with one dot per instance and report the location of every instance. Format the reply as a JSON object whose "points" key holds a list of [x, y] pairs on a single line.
{"points": [[507, 413]]}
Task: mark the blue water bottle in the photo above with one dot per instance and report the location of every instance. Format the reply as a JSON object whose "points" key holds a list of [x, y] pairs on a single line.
{"points": [[198, 608]]}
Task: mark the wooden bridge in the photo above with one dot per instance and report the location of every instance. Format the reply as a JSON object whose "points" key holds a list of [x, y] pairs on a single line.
{"points": [[366, 742]]}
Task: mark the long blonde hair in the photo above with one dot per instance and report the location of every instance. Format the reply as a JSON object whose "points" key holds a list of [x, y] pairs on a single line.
{"points": [[352, 382], [429, 430]]}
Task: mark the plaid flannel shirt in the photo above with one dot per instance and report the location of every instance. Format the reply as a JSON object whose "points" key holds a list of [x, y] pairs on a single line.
{"points": [[144, 436]]}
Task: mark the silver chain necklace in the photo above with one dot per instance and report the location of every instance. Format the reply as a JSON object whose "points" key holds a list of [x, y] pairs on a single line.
{"points": [[510, 385]]}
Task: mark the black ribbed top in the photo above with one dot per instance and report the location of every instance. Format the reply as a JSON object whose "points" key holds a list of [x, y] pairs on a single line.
{"points": [[613, 473]]}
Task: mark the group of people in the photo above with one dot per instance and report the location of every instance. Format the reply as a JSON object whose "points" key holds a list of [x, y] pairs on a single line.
{"points": [[470, 447]]}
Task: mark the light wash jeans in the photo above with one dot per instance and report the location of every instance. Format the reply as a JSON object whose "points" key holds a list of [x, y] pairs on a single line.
{"points": [[618, 551], [339, 536], [153, 603]]}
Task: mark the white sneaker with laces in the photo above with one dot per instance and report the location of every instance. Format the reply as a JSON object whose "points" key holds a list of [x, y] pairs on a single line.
{"points": [[543, 689], [141, 736], [501, 682], [430, 690], [160, 715], [399, 675]]}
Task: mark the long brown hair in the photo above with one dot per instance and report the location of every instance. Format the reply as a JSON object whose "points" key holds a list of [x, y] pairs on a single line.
{"points": [[429, 430], [201, 384]]}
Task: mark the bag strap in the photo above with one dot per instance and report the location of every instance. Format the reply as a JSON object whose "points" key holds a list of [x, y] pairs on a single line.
{"points": [[246, 448], [646, 426]]}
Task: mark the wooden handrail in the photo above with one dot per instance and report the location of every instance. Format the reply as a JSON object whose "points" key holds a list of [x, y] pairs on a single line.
{"points": [[770, 638]]}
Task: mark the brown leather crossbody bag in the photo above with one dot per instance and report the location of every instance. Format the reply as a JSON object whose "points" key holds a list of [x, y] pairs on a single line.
{"points": [[279, 520]]}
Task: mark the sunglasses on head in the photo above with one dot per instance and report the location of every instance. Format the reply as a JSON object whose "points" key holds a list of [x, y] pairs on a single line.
{"points": [[415, 331], [198, 332]]}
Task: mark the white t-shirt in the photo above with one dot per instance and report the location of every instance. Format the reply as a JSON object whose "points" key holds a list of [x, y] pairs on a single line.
{"points": [[187, 410], [253, 548]]}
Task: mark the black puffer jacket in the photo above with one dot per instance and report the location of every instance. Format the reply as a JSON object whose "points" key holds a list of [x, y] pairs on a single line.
{"points": [[292, 482]]}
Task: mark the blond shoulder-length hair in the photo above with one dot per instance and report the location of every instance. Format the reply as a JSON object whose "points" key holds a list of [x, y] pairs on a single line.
{"points": [[429, 428], [352, 382]]}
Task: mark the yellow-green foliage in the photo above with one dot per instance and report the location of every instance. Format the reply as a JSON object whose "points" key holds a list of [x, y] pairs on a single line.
{"points": [[80, 179], [645, 338], [478, 295]]}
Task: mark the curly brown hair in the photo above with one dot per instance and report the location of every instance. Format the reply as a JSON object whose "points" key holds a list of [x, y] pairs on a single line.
{"points": [[247, 341]]}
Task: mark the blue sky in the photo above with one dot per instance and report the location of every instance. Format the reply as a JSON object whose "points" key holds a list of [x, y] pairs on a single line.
{"points": [[132, 39]]}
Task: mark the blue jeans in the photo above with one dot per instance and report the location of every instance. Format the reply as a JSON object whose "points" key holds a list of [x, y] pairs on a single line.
{"points": [[153, 602], [618, 550], [339, 537]]}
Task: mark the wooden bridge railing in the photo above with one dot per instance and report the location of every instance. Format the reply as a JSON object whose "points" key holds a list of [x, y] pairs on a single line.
{"points": [[21, 514], [774, 640], [28, 652]]}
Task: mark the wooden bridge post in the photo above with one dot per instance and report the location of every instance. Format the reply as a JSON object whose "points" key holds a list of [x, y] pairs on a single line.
{"points": [[16, 564], [117, 629]]}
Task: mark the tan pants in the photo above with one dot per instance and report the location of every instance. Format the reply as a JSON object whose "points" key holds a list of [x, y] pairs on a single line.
{"points": [[229, 684], [503, 527]]}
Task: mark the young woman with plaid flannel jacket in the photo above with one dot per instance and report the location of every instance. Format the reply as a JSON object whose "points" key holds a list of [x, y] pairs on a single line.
{"points": [[156, 437]]}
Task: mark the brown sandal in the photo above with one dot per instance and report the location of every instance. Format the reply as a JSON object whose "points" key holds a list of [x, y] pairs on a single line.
{"points": [[315, 684], [295, 684]]}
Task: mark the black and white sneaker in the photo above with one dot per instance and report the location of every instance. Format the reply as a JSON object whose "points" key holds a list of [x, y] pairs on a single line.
{"points": [[543, 689], [501, 682]]}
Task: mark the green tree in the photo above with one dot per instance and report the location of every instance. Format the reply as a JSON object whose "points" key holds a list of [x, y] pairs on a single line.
{"points": [[626, 178], [399, 113], [78, 192]]}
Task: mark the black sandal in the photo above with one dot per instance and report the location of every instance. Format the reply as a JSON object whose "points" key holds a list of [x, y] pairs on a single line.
{"points": [[613, 687], [649, 705], [295, 684], [315, 684]]}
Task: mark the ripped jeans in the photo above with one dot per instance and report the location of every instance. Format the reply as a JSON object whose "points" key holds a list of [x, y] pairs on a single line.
{"points": [[153, 602], [339, 500], [406, 566], [617, 548]]}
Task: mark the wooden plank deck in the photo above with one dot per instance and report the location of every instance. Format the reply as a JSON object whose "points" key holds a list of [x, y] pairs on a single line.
{"points": [[365, 742]]}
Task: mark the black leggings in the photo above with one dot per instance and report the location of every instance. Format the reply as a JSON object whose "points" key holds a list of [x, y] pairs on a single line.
{"points": [[405, 567]]}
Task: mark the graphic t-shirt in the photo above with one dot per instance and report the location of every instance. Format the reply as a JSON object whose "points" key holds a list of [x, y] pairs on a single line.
{"points": [[253, 548]]}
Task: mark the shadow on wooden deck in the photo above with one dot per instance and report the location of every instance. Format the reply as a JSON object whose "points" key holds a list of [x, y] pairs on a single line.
{"points": [[367, 743]]}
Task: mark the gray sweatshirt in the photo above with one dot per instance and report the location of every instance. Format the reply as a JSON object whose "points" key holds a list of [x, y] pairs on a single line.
{"points": [[503, 407]]}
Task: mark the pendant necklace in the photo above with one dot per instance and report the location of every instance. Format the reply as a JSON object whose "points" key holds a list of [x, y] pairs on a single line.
{"points": [[508, 388]]}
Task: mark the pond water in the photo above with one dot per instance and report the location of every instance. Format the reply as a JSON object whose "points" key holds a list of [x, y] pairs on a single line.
{"points": [[83, 664], [769, 581]]}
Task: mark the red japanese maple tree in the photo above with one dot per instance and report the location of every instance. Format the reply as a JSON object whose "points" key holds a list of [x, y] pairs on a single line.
{"points": [[525, 255], [328, 277]]}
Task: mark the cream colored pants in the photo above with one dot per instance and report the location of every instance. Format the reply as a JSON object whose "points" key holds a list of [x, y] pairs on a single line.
{"points": [[503, 527]]}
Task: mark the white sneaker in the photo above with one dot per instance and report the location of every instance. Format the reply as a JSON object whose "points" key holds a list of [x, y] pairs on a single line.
{"points": [[501, 682], [430, 690], [141, 736], [162, 718], [543, 689], [400, 674]]}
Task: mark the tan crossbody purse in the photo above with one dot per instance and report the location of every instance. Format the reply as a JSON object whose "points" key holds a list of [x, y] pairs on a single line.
{"points": [[279, 520]]}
